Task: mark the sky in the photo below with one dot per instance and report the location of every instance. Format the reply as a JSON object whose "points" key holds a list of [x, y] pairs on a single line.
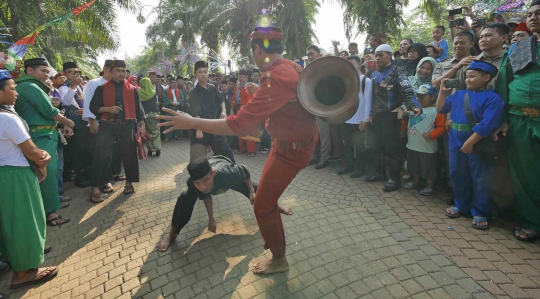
{"points": [[328, 27]]}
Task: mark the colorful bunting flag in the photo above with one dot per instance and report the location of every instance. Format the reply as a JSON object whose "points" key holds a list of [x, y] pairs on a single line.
{"points": [[17, 50]]}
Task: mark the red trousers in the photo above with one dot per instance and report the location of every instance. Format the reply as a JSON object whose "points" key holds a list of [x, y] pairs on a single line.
{"points": [[251, 146], [281, 167]]}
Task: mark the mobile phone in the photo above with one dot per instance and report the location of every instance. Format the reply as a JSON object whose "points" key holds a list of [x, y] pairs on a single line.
{"points": [[456, 11], [452, 83], [458, 22], [480, 23]]}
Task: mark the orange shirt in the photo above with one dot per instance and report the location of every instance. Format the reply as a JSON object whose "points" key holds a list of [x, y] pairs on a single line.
{"points": [[287, 120]]}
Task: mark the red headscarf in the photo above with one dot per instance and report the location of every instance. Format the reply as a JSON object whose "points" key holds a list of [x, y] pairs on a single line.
{"points": [[133, 81]]}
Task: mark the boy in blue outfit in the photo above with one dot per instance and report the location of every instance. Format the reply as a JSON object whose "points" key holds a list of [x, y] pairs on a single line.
{"points": [[440, 42], [472, 177]]}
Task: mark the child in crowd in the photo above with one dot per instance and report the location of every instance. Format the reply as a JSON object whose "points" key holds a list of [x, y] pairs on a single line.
{"points": [[422, 146], [471, 176], [440, 42]]}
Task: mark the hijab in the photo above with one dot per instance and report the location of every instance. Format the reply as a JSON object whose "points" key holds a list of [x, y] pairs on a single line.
{"points": [[133, 81], [416, 81], [147, 91], [412, 65]]}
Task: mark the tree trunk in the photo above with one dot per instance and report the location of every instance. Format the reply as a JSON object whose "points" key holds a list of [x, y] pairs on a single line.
{"points": [[14, 20]]}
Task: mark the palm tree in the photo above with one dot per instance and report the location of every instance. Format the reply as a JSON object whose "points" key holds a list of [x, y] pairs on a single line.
{"points": [[81, 38]]}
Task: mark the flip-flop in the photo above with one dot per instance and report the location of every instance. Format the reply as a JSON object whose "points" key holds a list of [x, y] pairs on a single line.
{"points": [[50, 221], [65, 205], [47, 249], [528, 232], [97, 198], [119, 178], [107, 188], [47, 277], [64, 198], [479, 219], [129, 192], [410, 186], [427, 191], [455, 211]]}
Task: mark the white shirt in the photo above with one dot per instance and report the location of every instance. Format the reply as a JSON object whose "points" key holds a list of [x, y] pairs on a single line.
{"points": [[12, 133], [89, 90], [67, 96], [364, 106], [174, 96]]}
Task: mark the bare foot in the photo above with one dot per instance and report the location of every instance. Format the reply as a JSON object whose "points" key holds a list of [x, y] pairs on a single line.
{"points": [[166, 242], [212, 226], [271, 266], [285, 210]]}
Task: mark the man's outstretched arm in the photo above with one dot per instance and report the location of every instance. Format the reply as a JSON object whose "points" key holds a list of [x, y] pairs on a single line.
{"points": [[210, 211], [183, 121]]}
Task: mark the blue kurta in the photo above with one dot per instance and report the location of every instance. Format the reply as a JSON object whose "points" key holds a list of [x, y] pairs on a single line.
{"points": [[472, 177]]}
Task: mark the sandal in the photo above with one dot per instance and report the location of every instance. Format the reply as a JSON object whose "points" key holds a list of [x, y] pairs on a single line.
{"points": [[454, 212], [410, 186], [119, 178], [427, 191], [96, 198], [59, 221], [107, 188], [65, 205], [64, 198], [129, 190], [47, 249], [47, 277], [531, 234], [3, 266], [479, 219]]}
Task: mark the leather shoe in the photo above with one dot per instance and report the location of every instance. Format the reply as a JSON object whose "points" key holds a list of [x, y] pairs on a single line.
{"points": [[149, 153], [158, 153], [374, 178], [313, 161], [321, 165], [82, 184], [391, 185], [356, 174], [345, 170]]}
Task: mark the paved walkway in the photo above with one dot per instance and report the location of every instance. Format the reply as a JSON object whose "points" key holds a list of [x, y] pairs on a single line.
{"points": [[347, 239]]}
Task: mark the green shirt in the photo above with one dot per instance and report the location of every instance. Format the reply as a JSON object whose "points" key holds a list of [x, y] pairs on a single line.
{"points": [[524, 90], [33, 103]]}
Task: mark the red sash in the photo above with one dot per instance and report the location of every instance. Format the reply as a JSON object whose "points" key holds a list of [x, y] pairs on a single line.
{"points": [[128, 99], [177, 92]]}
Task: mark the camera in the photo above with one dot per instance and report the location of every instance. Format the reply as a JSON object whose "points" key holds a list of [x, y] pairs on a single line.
{"points": [[452, 83], [458, 22], [480, 23], [456, 11]]}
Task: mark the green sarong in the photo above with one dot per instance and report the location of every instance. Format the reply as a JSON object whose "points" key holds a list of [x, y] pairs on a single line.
{"points": [[524, 155], [22, 218], [49, 186], [152, 129]]}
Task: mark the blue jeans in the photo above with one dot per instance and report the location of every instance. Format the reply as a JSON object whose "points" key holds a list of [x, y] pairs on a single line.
{"points": [[60, 168]]}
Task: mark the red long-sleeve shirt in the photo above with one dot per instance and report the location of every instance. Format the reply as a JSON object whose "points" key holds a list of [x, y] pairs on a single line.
{"points": [[287, 119]]}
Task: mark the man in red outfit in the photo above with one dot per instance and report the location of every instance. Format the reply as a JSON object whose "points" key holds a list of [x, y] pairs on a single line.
{"points": [[293, 130]]}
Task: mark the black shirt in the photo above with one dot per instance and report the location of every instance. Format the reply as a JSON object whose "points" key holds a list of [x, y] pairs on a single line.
{"points": [[205, 102], [151, 105], [228, 175], [97, 102]]}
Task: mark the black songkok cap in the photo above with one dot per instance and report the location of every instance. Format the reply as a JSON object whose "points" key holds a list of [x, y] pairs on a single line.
{"points": [[200, 64], [179, 78], [35, 61], [199, 168], [108, 63], [242, 72], [70, 65], [232, 79], [118, 63]]}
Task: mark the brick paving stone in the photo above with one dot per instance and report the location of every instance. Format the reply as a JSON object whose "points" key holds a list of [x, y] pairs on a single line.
{"points": [[347, 239]]}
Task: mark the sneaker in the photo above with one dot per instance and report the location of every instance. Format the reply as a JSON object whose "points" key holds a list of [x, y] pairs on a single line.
{"points": [[251, 155], [264, 151]]}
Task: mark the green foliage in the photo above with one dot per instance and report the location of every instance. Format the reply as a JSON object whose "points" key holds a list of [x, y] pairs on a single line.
{"points": [[80, 38]]}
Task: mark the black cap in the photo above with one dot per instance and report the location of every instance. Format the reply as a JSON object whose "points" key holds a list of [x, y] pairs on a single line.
{"points": [[35, 61], [242, 72], [232, 79], [179, 78], [199, 168], [108, 63], [118, 63], [70, 65], [200, 64]]}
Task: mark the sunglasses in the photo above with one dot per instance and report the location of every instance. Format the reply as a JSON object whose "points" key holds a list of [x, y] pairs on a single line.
{"points": [[4, 75]]}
